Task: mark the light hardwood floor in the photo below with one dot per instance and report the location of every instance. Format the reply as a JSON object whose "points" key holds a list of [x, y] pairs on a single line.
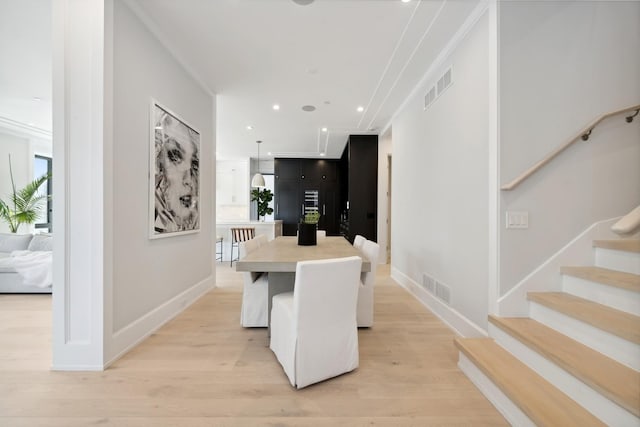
{"points": [[203, 369]]}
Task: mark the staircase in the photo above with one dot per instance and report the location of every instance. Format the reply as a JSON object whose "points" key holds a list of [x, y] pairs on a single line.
{"points": [[575, 361]]}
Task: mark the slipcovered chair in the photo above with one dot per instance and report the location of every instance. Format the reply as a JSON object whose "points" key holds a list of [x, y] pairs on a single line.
{"points": [[255, 292], [262, 239], [358, 241], [314, 333], [371, 250]]}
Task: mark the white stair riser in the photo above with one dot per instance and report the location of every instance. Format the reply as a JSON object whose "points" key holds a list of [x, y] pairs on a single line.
{"points": [[590, 399], [614, 297], [618, 260], [503, 404], [610, 345]]}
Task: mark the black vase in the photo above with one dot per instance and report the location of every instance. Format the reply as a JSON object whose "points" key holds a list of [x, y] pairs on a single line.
{"points": [[307, 235]]}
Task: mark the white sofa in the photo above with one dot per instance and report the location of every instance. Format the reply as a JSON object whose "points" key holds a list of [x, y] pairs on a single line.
{"points": [[10, 280]]}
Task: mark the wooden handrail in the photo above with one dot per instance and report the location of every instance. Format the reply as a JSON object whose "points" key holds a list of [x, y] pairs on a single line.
{"points": [[583, 134]]}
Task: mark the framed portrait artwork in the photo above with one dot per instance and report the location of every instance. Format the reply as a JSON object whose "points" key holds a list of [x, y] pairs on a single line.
{"points": [[174, 175]]}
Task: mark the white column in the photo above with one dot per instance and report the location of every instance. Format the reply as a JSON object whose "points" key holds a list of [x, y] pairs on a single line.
{"points": [[79, 124]]}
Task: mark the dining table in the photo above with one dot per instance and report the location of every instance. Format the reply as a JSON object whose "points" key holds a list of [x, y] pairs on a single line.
{"points": [[280, 256]]}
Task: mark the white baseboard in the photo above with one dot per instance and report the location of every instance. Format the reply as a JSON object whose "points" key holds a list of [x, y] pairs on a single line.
{"points": [[77, 368], [546, 277], [131, 335], [452, 318]]}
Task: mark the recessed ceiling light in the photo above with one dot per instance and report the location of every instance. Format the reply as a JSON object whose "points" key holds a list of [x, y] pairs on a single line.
{"points": [[37, 99], [360, 109], [31, 124], [322, 154], [249, 127], [405, 1], [276, 107], [269, 153], [308, 108], [324, 129]]}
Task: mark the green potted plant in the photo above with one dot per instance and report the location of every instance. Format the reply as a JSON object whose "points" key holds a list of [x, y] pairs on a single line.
{"points": [[263, 198], [308, 227], [23, 206]]}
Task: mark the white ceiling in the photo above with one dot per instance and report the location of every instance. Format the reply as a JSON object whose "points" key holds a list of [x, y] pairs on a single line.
{"points": [[25, 63], [333, 54]]}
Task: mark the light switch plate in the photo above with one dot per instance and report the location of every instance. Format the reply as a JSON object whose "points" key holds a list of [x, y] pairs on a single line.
{"points": [[518, 219]]}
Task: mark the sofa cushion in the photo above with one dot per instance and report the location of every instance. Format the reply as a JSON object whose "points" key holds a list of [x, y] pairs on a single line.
{"points": [[10, 242], [41, 242]]}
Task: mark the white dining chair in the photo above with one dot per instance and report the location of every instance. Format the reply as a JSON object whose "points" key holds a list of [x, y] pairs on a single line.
{"points": [[262, 239], [371, 250], [358, 241], [314, 333], [255, 292]]}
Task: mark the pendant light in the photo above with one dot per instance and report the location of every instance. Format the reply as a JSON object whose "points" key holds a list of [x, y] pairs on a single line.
{"points": [[258, 179]]}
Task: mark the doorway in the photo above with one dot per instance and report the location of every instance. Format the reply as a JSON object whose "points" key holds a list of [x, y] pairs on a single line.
{"points": [[389, 208]]}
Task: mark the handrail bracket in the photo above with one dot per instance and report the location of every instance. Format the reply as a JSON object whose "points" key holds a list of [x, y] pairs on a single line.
{"points": [[629, 119]]}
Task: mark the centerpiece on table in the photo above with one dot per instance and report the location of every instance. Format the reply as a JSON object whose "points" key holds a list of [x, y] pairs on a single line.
{"points": [[307, 229]]}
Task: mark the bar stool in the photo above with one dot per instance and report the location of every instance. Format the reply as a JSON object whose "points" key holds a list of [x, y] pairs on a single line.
{"points": [[219, 240], [240, 234]]}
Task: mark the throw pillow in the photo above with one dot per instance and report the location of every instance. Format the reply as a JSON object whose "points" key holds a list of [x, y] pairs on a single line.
{"points": [[41, 242], [10, 242]]}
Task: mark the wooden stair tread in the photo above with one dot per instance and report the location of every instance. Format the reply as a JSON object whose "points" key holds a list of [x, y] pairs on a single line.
{"points": [[614, 380], [624, 325], [544, 404], [619, 279], [629, 245]]}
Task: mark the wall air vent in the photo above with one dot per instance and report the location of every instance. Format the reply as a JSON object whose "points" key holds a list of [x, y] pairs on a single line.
{"points": [[444, 82], [429, 97], [438, 89]]}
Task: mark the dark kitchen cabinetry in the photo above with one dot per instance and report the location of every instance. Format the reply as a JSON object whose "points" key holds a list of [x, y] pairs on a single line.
{"points": [[359, 187], [344, 191], [302, 185]]}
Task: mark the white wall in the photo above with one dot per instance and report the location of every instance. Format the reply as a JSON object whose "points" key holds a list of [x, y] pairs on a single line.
{"points": [[232, 190], [148, 274], [384, 151], [440, 185], [562, 64], [22, 166]]}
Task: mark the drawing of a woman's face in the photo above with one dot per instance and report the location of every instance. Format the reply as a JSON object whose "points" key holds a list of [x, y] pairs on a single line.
{"points": [[177, 161]]}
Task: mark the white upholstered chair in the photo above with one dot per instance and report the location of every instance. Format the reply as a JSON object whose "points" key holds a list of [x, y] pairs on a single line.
{"points": [[371, 251], [314, 333], [358, 241], [255, 292], [262, 239]]}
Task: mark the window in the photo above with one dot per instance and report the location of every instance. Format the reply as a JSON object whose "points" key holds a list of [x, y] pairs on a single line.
{"points": [[41, 166]]}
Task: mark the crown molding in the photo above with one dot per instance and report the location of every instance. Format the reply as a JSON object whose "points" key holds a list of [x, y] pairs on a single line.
{"points": [[21, 129]]}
